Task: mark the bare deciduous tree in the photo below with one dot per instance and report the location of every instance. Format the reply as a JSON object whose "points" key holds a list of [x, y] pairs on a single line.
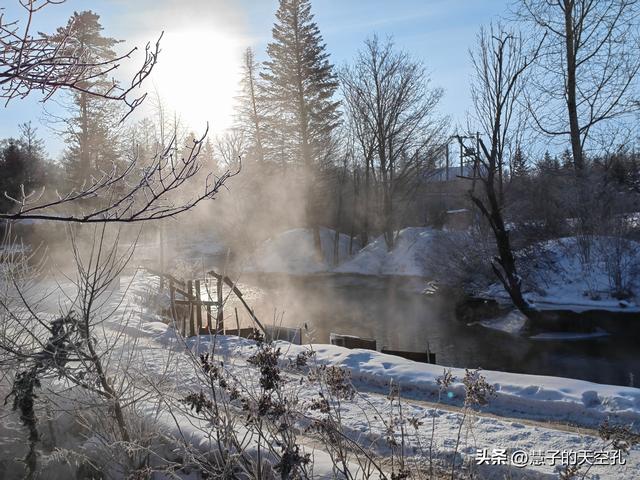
{"points": [[588, 66], [130, 195], [47, 64], [499, 65], [133, 193], [393, 107]]}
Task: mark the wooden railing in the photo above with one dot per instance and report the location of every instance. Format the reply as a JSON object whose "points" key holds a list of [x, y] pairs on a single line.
{"points": [[187, 304]]}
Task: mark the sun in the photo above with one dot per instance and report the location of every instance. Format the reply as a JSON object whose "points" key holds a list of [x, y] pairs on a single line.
{"points": [[197, 76]]}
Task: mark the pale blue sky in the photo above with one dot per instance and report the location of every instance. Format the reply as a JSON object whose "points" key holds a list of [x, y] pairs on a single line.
{"points": [[204, 40]]}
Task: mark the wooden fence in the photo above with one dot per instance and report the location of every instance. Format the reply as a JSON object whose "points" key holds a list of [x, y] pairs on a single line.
{"points": [[195, 316], [194, 311]]}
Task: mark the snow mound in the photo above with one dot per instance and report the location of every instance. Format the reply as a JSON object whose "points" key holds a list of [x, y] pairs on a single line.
{"points": [[580, 274], [410, 255], [294, 252], [533, 397], [517, 395], [512, 323]]}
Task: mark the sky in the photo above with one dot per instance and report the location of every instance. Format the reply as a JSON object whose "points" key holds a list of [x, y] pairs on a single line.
{"points": [[199, 65]]}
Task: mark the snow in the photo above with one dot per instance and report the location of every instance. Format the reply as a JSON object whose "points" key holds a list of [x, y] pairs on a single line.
{"points": [[518, 395], [410, 255], [294, 252], [513, 323], [524, 397], [519, 398], [556, 277]]}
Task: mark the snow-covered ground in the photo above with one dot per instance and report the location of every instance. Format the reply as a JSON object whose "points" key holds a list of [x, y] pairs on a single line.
{"points": [[521, 404], [515, 418], [294, 252], [410, 255], [557, 276], [523, 396]]}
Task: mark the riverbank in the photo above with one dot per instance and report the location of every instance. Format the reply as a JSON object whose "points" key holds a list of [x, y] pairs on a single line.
{"points": [[557, 275]]}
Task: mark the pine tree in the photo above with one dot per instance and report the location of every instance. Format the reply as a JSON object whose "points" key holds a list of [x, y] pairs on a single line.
{"points": [[519, 164], [548, 164], [33, 146], [92, 129], [300, 84], [21, 164], [251, 111], [567, 160]]}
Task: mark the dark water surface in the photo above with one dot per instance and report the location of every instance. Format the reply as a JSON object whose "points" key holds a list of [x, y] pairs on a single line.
{"points": [[401, 319]]}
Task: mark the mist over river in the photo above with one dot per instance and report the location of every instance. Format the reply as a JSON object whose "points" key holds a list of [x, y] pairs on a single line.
{"points": [[400, 317]]}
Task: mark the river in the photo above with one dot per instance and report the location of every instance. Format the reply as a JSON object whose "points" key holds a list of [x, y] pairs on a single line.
{"points": [[402, 318]]}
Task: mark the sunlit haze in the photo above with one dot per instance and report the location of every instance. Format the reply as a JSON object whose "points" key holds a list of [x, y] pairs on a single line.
{"points": [[198, 75], [406, 248], [213, 34]]}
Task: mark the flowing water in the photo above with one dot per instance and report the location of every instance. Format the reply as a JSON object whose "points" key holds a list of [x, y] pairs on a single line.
{"points": [[402, 318]]}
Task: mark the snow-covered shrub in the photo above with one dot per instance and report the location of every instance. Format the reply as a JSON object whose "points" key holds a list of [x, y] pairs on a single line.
{"points": [[621, 260], [463, 259], [72, 362]]}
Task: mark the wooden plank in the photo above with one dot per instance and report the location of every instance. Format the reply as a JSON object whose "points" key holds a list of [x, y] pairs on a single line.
{"points": [[190, 329], [238, 294], [220, 317], [421, 357], [251, 333], [288, 334], [198, 307], [350, 341]]}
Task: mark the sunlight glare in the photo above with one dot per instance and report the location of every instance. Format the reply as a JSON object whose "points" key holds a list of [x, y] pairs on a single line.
{"points": [[197, 76]]}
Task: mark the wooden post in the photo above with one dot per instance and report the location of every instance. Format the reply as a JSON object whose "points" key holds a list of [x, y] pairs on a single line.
{"points": [[220, 318], [198, 309], [461, 158], [447, 164], [172, 296], [209, 319], [161, 239], [237, 320], [189, 328]]}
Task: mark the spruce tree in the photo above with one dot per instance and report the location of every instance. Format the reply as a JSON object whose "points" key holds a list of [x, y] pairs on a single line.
{"points": [[91, 130], [250, 111], [33, 147], [300, 84], [519, 164]]}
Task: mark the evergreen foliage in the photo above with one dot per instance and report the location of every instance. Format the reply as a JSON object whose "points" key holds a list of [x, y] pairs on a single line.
{"points": [[299, 85]]}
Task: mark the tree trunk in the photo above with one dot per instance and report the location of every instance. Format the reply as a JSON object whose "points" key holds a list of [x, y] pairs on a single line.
{"points": [[366, 208], [572, 107]]}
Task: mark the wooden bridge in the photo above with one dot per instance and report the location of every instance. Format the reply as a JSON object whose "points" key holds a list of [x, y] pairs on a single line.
{"points": [[194, 311]]}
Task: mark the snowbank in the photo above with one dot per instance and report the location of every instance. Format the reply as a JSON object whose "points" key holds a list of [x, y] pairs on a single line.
{"points": [[294, 252], [533, 397], [518, 396], [557, 275], [410, 255]]}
